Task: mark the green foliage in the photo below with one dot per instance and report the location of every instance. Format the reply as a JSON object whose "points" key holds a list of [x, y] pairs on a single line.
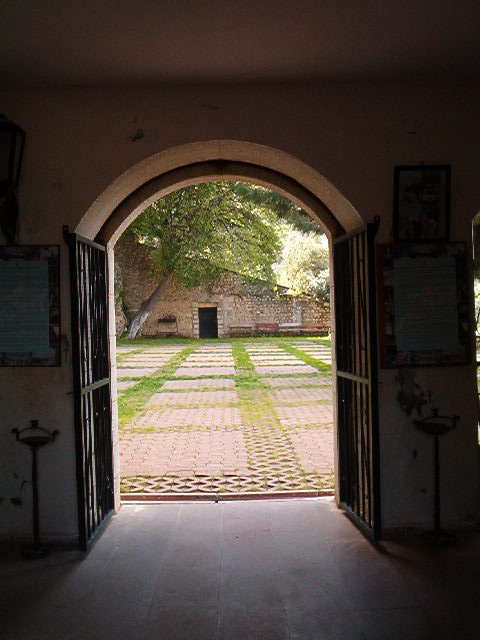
{"points": [[476, 267], [476, 245], [476, 290], [304, 263], [284, 208], [201, 230]]}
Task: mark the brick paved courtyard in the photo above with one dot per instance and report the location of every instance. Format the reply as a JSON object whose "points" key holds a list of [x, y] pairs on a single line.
{"points": [[233, 416]]}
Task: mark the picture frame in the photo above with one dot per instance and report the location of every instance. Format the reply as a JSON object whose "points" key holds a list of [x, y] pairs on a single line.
{"points": [[30, 321], [421, 203]]}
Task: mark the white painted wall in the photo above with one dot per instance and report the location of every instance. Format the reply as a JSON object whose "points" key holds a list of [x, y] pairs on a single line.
{"points": [[79, 142]]}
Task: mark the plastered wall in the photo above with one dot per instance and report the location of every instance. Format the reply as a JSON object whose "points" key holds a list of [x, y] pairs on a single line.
{"points": [[80, 141]]}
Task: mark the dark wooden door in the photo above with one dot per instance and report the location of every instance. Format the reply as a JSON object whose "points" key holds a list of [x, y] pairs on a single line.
{"points": [[207, 322], [356, 354], [91, 374]]}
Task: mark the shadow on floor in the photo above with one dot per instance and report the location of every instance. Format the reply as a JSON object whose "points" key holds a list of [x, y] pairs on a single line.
{"points": [[255, 569]]}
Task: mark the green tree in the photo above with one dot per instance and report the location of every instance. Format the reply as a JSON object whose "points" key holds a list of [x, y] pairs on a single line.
{"points": [[476, 268], [284, 208], [304, 264], [476, 245], [199, 231]]}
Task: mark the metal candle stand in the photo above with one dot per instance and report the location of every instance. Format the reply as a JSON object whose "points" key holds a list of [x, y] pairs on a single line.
{"points": [[35, 437], [436, 425]]}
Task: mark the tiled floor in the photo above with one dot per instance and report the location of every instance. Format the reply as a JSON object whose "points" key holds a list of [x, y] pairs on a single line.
{"points": [[274, 401], [256, 570]]}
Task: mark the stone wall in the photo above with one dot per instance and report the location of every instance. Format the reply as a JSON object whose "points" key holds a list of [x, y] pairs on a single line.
{"points": [[243, 308]]}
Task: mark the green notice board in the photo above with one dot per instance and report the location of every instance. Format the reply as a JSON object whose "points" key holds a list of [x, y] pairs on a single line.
{"points": [[423, 304], [29, 306]]}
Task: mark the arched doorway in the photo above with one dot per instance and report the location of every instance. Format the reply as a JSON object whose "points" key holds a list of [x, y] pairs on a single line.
{"points": [[356, 453]]}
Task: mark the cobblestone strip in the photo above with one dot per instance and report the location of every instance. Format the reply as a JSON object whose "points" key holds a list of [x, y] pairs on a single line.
{"points": [[192, 372], [137, 372], [285, 369], [202, 383], [318, 415], [301, 395], [192, 398], [298, 381], [272, 459], [173, 417]]}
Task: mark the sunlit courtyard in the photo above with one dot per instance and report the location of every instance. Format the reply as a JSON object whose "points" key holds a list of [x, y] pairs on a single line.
{"points": [[225, 416]]}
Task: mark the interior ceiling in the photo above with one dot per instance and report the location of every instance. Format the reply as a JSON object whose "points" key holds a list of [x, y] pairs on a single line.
{"points": [[120, 42]]}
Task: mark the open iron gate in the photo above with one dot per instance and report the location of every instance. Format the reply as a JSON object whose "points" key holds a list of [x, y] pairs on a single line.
{"points": [[91, 372], [356, 353]]}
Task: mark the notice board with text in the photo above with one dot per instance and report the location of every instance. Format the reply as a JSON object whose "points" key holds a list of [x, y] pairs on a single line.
{"points": [[29, 305], [423, 304]]}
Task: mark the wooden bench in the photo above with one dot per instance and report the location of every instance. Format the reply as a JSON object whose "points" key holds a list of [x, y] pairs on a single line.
{"points": [[241, 329], [315, 329], [265, 328], [287, 328]]}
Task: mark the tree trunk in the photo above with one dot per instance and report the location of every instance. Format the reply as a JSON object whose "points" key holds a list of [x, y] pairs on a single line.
{"points": [[147, 305]]}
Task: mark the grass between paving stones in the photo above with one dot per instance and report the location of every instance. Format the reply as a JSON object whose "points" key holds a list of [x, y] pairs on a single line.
{"points": [[255, 404], [308, 359], [133, 400], [257, 410], [245, 375], [121, 355]]}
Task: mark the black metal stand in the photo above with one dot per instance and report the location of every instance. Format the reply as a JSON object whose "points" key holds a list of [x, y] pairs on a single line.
{"points": [[35, 437], [436, 426]]}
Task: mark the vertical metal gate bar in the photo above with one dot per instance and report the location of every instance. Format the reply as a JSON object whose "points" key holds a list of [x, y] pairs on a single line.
{"points": [[350, 367], [77, 350], [349, 289], [359, 370], [372, 345], [357, 377], [338, 350], [341, 344], [90, 460], [346, 385], [365, 390], [348, 364], [91, 367], [355, 385]]}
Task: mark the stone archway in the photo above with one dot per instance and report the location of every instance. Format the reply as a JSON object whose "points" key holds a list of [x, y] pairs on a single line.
{"points": [[193, 163], [171, 169]]}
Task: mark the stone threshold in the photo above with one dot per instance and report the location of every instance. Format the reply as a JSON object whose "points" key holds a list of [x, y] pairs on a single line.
{"points": [[223, 497]]}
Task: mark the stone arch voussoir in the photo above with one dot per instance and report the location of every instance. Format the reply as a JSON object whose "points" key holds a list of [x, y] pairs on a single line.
{"points": [[198, 162]]}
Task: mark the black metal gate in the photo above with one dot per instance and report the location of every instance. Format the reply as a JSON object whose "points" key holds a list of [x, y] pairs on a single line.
{"points": [[91, 371], [356, 352]]}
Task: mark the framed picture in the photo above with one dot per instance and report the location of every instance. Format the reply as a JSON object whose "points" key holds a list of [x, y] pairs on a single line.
{"points": [[29, 306], [421, 203]]}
